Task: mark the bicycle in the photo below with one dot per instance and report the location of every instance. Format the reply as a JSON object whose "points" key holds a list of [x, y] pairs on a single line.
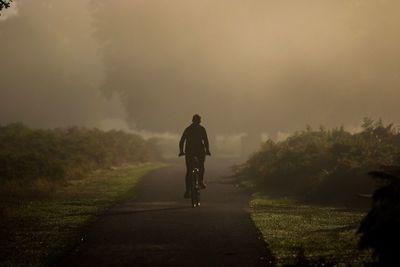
{"points": [[194, 183]]}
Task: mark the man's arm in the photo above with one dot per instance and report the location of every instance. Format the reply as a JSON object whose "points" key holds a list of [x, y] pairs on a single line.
{"points": [[181, 143], [205, 142]]}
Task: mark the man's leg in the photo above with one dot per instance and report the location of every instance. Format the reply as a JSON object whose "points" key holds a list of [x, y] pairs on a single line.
{"points": [[202, 158], [189, 161]]}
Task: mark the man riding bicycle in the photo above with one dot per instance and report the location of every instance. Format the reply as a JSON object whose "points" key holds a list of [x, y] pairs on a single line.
{"points": [[196, 146]]}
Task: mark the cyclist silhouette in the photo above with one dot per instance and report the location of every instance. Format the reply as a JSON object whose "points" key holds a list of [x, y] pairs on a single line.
{"points": [[195, 140]]}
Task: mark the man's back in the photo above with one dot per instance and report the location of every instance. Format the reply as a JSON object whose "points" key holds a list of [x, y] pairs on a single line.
{"points": [[196, 140]]}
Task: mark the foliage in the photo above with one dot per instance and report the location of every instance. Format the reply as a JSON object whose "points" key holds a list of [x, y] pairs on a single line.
{"points": [[380, 229], [5, 4], [325, 164], [57, 154]]}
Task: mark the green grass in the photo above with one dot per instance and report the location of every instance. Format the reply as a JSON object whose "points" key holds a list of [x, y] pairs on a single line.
{"points": [[34, 232], [323, 232]]}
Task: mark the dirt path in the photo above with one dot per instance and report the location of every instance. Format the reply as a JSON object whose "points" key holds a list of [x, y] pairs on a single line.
{"points": [[159, 228]]}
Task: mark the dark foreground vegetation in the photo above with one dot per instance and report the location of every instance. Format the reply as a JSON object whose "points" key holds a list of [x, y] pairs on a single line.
{"points": [[329, 167], [380, 229], [53, 182]]}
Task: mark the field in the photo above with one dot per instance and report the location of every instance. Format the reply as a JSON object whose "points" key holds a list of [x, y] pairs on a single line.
{"points": [[295, 232], [36, 231]]}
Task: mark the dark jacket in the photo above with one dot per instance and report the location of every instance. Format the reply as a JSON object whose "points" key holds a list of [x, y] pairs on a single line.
{"points": [[196, 140]]}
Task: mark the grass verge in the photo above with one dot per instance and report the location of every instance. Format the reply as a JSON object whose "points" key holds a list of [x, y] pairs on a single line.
{"points": [[291, 229], [34, 232]]}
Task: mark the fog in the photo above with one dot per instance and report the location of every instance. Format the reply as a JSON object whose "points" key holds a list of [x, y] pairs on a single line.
{"points": [[252, 69]]}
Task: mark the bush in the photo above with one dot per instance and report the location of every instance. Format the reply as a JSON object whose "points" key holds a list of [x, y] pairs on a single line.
{"points": [[323, 164], [380, 229], [31, 154]]}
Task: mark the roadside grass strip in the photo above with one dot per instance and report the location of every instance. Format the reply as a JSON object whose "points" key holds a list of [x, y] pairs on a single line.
{"points": [[319, 233], [36, 232]]}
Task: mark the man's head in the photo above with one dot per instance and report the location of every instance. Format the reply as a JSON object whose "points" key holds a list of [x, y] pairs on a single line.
{"points": [[196, 119]]}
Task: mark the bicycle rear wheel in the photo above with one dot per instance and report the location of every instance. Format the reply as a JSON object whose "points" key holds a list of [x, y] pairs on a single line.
{"points": [[195, 192]]}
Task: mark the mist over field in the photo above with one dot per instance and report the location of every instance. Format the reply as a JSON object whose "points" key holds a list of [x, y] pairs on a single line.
{"points": [[299, 100], [259, 68]]}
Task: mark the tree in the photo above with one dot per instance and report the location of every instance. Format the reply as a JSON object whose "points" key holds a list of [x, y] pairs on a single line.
{"points": [[5, 4]]}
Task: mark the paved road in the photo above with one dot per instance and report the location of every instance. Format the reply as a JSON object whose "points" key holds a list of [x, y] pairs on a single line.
{"points": [[159, 228]]}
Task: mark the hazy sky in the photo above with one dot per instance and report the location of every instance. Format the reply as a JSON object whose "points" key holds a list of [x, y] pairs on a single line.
{"points": [[249, 66]]}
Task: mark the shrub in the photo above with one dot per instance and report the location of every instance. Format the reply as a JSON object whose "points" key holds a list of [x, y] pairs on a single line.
{"points": [[66, 153], [380, 229], [323, 164]]}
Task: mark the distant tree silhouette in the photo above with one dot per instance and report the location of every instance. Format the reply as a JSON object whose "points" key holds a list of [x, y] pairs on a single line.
{"points": [[380, 229], [5, 4]]}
